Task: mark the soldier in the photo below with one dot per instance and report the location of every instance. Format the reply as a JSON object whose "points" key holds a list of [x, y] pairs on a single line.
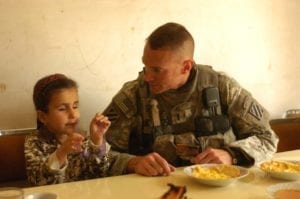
{"points": [[179, 113]]}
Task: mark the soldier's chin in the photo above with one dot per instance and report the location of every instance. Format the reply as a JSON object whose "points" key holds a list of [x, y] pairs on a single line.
{"points": [[156, 90]]}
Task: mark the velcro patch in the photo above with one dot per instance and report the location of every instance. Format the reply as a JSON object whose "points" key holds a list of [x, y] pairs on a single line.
{"points": [[124, 103], [256, 111], [120, 100], [112, 114]]}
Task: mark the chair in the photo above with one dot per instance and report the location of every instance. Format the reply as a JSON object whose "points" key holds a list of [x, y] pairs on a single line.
{"points": [[288, 131], [12, 159]]}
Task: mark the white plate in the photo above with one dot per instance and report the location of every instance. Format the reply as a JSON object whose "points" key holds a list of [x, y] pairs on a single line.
{"points": [[215, 182], [283, 175], [43, 195], [282, 186]]}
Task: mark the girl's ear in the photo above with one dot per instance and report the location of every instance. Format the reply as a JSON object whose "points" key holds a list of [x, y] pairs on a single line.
{"points": [[41, 116]]}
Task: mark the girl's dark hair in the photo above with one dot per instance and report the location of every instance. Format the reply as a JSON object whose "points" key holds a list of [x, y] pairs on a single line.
{"points": [[44, 89]]}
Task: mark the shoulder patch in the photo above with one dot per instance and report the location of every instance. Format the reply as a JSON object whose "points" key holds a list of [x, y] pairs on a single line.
{"points": [[112, 113], [256, 111], [124, 103]]}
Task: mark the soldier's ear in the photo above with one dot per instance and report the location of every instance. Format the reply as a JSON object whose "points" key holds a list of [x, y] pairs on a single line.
{"points": [[187, 65]]}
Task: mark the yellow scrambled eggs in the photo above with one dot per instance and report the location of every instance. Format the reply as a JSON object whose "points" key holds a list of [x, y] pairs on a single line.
{"points": [[280, 166], [216, 172]]}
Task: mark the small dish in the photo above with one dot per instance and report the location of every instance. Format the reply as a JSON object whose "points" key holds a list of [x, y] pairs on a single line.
{"points": [[282, 169], [239, 172], [284, 191], [42, 195]]}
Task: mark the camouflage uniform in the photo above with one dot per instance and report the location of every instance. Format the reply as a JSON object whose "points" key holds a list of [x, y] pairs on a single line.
{"points": [[134, 129], [93, 162]]}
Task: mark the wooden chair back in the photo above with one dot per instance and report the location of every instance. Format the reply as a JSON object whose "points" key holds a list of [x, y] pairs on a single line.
{"points": [[288, 131], [12, 158]]}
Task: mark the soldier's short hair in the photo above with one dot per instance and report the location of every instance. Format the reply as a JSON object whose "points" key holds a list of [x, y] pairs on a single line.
{"points": [[169, 36]]}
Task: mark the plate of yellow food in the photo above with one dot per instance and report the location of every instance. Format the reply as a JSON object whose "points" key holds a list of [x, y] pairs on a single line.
{"points": [[282, 169], [284, 191], [216, 174]]}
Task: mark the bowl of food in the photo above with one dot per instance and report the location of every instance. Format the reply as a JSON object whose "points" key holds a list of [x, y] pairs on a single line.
{"points": [[216, 174], [284, 191], [282, 169]]}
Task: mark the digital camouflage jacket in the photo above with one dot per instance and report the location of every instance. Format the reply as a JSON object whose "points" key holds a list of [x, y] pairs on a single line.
{"points": [[142, 122], [92, 162]]}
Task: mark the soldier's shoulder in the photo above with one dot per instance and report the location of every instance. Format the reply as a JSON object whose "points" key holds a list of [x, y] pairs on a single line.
{"points": [[227, 82], [125, 101], [128, 91], [130, 87], [204, 67], [222, 76], [206, 76]]}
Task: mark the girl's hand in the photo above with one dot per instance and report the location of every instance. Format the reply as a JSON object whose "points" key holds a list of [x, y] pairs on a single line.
{"points": [[98, 127], [72, 144]]}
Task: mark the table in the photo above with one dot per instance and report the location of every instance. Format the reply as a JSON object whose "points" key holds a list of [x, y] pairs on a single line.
{"points": [[135, 186]]}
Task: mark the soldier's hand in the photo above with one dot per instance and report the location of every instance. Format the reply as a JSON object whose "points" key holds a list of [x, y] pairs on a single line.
{"points": [[150, 165], [211, 155]]}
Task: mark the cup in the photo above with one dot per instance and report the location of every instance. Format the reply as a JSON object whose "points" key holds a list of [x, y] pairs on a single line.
{"points": [[11, 193]]}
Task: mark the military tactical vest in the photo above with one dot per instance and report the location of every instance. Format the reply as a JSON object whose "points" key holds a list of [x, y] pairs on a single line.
{"points": [[175, 111]]}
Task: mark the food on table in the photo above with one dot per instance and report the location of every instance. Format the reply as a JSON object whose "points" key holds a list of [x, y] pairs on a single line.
{"points": [[287, 194], [175, 192], [280, 166], [216, 172]]}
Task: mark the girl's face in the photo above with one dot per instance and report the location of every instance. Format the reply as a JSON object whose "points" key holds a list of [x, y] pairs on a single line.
{"points": [[63, 114]]}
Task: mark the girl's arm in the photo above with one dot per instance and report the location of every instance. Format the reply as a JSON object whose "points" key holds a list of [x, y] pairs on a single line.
{"points": [[37, 156]]}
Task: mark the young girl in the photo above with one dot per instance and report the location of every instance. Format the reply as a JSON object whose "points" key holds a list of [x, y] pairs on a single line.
{"points": [[60, 152]]}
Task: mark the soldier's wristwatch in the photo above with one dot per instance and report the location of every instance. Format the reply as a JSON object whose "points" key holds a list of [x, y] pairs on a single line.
{"points": [[234, 161], [233, 155]]}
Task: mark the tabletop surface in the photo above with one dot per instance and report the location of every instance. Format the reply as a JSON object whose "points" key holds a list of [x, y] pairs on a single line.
{"points": [[136, 186]]}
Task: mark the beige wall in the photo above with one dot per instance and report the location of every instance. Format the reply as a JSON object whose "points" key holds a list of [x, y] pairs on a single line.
{"points": [[99, 43]]}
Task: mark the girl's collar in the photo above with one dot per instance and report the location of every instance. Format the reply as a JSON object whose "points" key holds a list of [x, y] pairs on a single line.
{"points": [[48, 136]]}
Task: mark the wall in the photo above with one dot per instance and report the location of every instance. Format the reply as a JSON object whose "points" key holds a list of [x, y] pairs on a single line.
{"points": [[99, 44]]}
